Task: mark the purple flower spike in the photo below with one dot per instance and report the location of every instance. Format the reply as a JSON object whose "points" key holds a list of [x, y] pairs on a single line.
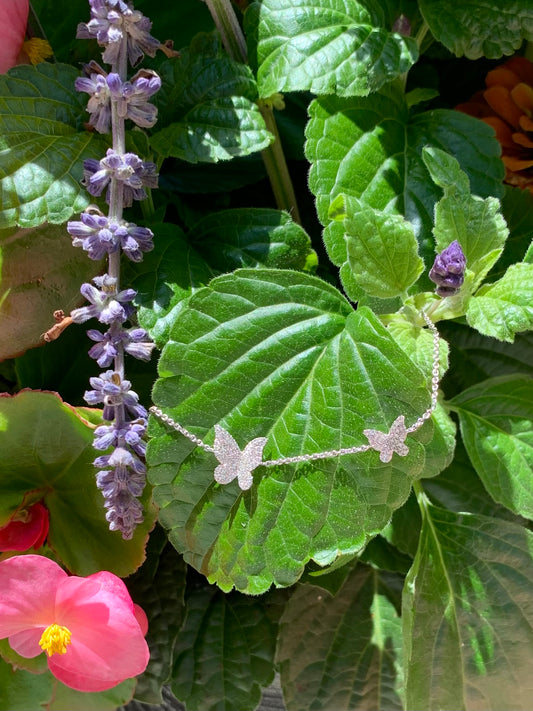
{"points": [[131, 434], [111, 21], [448, 270], [106, 304], [99, 236], [113, 392], [134, 341], [129, 169], [124, 513]]}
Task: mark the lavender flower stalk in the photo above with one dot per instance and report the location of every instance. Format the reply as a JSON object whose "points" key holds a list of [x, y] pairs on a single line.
{"points": [[448, 270], [124, 34]]}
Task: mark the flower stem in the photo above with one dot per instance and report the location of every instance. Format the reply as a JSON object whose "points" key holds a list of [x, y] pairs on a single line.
{"points": [[273, 157]]}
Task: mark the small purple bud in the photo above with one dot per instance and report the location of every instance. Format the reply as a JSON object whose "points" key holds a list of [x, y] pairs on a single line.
{"points": [[402, 26], [448, 270]]}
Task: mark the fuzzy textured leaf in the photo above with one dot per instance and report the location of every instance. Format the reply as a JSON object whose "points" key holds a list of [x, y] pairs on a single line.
{"points": [[343, 652], [43, 145], [505, 308], [469, 590], [479, 28], [329, 46], [496, 418], [207, 106], [274, 353]]}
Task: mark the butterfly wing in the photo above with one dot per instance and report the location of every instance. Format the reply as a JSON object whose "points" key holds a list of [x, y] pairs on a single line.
{"points": [[252, 457], [228, 454]]}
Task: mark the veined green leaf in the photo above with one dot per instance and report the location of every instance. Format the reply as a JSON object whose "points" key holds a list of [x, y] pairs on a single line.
{"points": [[468, 615], [496, 418], [479, 28], [504, 308], [43, 145], [281, 354], [381, 249], [371, 149], [225, 651], [207, 106], [343, 652], [332, 46]]}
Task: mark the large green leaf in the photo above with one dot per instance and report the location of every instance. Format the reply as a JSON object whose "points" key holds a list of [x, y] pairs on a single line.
{"points": [[371, 149], [505, 308], [343, 652], [468, 615], [332, 46], [207, 106], [225, 650], [40, 271], [47, 454], [477, 28], [496, 418], [282, 354], [43, 145]]}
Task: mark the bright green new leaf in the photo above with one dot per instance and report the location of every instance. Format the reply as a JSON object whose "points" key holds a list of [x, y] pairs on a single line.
{"points": [[496, 418], [41, 272], [43, 145], [281, 354], [381, 249], [334, 46], [207, 107], [468, 615], [343, 652], [505, 308], [225, 651], [371, 149], [476, 224], [479, 28], [47, 455]]}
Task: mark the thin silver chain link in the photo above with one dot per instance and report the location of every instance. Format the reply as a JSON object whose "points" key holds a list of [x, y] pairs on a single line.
{"points": [[332, 453]]}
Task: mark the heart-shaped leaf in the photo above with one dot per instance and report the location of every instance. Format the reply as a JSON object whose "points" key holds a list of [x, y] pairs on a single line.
{"points": [[332, 47], [271, 353]]}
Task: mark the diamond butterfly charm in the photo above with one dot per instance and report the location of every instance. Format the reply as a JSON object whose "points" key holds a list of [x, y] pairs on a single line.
{"points": [[388, 442], [233, 462]]}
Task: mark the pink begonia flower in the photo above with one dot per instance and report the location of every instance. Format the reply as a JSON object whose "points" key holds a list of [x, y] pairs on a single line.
{"points": [[27, 529], [13, 49], [89, 627], [13, 21]]}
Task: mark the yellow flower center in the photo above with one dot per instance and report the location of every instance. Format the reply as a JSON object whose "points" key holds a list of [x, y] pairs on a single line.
{"points": [[55, 639], [37, 50]]}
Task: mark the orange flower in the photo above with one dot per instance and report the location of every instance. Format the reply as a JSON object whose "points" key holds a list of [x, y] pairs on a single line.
{"points": [[507, 105]]}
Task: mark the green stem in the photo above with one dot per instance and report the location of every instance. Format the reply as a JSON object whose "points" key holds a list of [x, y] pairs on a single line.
{"points": [[528, 54], [421, 34], [277, 170], [273, 157], [229, 28]]}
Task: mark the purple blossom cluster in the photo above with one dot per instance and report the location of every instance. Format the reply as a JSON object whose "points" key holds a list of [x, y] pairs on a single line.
{"points": [[124, 33]]}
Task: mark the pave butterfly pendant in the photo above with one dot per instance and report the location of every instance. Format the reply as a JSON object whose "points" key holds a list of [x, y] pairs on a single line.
{"points": [[233, 462], [388, 442]]}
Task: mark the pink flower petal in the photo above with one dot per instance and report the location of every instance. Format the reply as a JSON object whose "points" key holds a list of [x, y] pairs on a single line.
{"points": [[13, 21], [26, 643], [107, 644], [28, 533], [28, 586]]}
